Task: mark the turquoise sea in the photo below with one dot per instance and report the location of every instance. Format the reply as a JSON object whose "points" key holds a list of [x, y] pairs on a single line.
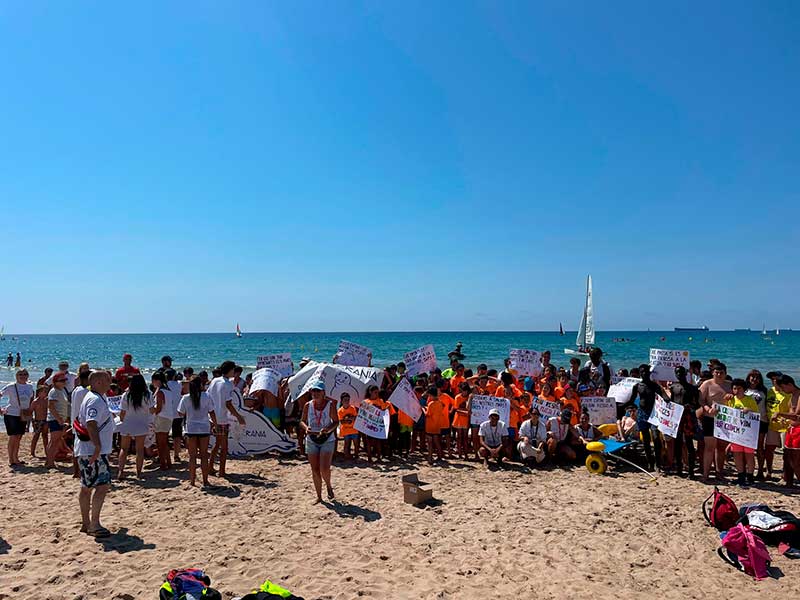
{"points": [[740, 350]]}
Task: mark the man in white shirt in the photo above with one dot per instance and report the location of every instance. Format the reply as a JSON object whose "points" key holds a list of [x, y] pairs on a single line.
{"points": [[95, 473], [223, 393], [533, 439], [75, 401], [492, 435]]}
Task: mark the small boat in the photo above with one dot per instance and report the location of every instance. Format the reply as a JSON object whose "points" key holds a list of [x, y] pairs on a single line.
{"points": [[238, 331], [777, 332], [764, 329], [586, 330], [2, 333], [703, 328], [560, 329]]}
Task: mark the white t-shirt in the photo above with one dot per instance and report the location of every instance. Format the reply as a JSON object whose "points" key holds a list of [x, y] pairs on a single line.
{"points": [[19, 397], [221, 391], [78, 394], [196, 418], [61, 400], [558, 429], [493, 436], [94, 408], [172, 395], [535, 434]]}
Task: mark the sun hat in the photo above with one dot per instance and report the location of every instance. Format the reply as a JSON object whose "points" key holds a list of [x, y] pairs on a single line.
{"points": [[318, 385], [494, 412]]}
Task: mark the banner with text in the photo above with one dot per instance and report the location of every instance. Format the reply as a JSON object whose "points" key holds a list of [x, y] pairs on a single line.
{"points": [[351, 354], [526, 362], [602, 409], [547, 410], [282, 363], [337, 379], [114, 404], [404, 398], [666, 416], [663, 363], [266, 379], [736, 426], [481, 405], [421, 360], [372, 421], [622, 391]]}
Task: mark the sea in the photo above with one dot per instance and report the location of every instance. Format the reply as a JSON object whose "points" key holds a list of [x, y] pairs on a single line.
{"points": [[740, 350]]}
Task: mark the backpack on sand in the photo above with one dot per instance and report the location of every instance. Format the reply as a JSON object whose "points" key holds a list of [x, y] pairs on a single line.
{"points": [[188, 584], [746, 552], [723, 513]]}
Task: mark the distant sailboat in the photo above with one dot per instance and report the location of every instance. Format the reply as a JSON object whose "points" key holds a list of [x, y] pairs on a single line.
{"points": [[560, 329], [586, 330], [764, 329], [238, 331], [2, 333], [777, 332]]}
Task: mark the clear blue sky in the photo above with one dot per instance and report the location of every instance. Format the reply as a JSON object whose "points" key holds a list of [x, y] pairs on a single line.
{"points": [[338, 166]]}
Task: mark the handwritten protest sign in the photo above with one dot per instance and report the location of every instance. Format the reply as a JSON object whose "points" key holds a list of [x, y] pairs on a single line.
{"points": [[404, 398], [421, 360], [481, 405], [602, 409], [547, 409], [282, 363], [526, 362], [663, 363], [351, 354], [736, 426], [666, 416], [622, 391], [372, 421], [266, 379], [114, 404]]}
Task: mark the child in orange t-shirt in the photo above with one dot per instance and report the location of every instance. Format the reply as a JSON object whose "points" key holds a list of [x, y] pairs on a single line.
{"points": [[435, 417], [448, 402], [461, 419], [375, 445], [572, 401], [347, 417]]}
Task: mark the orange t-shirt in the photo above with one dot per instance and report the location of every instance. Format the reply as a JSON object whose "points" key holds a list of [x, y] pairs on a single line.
{"points": [[347, 416], [560, 391], [404, 420], [491, 386], [448, 402], [513, 414], [455, 381], [383, 405], [461, 420], [574, 405], [500, 392], [435, 417]]}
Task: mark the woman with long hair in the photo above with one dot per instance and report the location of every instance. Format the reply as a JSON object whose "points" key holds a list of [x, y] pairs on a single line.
{"points": [[163, 425], [758, 391], [196, 408], [319, 421], [136, 417]]}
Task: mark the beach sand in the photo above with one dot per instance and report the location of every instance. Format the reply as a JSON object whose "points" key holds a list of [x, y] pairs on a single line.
{"points": [[490, 534]]}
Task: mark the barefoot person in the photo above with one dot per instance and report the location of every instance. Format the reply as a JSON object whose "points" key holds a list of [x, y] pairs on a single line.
{"points": [[163, 411], [492, 434], [18, 413], [223, 393], [319, 421], [98, 423], [196, 408], [713, 391], [57, 415], [136, 415]]}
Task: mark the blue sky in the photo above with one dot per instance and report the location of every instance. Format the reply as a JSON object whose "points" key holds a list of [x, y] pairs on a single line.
{"points": [[329, 166]]}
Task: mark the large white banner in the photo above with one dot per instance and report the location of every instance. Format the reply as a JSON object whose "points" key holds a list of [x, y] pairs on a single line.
{"points": [[622, 391], [404, 398], [266, 379], [282, 363], [259, 435], [351, 354], [372, 421], [526, 362], [602, 409], [547, 410], [337, 379], [666, 416], [421, 360], [481, 405], [736, 426], [663, 363]]}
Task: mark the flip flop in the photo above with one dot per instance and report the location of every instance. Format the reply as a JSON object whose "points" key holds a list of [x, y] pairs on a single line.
{"points": [[100, 533]]}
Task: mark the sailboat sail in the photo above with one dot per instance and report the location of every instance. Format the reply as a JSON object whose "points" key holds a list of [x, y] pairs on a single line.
{"points": [[560, 329], [238, 331], [586, 330], [764, 329]]}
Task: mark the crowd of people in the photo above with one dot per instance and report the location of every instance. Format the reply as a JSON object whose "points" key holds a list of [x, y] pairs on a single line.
{"points": [[174, 411]]}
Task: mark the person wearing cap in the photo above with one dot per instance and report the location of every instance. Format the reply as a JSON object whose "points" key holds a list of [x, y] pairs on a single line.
{"points": [[561, 435], [532, 446], [123, 375], [319, 422], [493, 434]]}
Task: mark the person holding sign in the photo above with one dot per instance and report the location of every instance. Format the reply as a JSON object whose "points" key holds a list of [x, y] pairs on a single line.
{"points": [[684, 393], [493, 434], [713, 391], [319, 421], [646, 391], [347, 416], [743, 457]]}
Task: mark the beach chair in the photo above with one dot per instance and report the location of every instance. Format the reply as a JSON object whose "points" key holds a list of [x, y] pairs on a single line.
{"points": [[600, 452]]}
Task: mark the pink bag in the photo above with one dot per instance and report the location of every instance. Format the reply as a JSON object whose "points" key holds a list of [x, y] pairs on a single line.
{"points": [[749, 550]]}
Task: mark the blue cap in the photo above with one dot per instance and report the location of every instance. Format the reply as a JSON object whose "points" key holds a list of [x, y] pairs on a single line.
{"points": [[318, 385]]}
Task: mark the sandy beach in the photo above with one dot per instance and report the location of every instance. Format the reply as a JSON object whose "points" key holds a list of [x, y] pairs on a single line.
{"points": [[506, 533]]}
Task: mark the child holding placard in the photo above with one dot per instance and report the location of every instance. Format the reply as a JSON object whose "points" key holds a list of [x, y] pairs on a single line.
{"points": [[743, 457]]}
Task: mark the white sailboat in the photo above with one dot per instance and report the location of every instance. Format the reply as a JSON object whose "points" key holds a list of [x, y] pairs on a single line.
{"points": [[586, 330], [764, 329], [238, 331], [777, 332]]}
